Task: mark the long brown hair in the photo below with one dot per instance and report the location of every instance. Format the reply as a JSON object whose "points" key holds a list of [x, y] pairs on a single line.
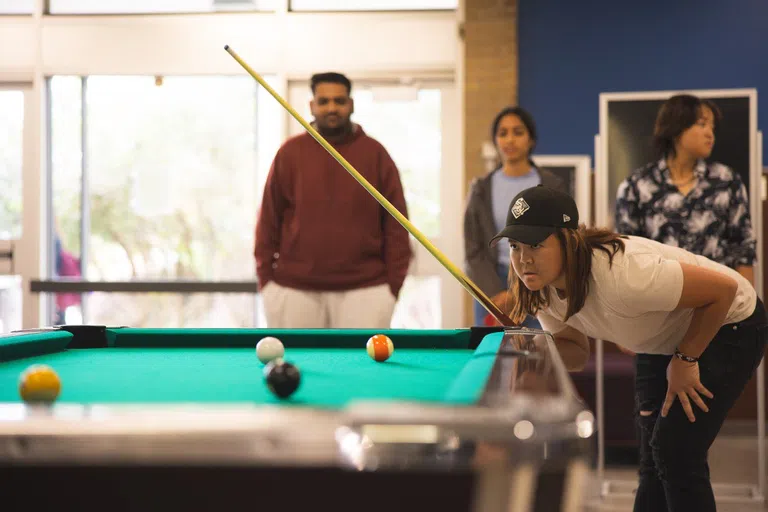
{"points": [[577, 246]]}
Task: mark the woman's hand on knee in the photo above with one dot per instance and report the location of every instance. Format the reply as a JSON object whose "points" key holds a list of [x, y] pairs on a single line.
{"points": [[683, 382]]}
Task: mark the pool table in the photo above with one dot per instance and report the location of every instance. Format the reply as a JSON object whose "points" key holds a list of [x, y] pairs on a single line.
{"points": [[466, 419]]}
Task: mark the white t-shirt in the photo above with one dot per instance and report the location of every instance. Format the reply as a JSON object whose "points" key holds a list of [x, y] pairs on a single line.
{"points": [[633, 303]]}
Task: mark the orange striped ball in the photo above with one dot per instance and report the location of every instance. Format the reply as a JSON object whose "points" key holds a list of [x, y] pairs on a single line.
{"points": [[380, 347]]}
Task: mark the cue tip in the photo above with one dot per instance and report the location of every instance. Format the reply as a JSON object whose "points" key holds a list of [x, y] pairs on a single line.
{"points": [[226, 47]]}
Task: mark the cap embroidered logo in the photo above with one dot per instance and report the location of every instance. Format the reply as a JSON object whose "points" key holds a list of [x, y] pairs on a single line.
{"points": [[566, 218], [520, 207]]}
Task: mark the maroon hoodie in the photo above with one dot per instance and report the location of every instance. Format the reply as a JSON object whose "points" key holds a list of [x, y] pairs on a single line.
{"points": [[319, 229]]}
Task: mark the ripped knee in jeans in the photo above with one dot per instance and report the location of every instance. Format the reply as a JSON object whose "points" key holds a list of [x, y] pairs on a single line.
{"points": [[646, 412], [646, 421]]}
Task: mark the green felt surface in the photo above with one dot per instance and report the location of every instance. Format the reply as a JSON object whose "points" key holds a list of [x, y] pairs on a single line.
{"points": [[330, 377], [220, 366]]}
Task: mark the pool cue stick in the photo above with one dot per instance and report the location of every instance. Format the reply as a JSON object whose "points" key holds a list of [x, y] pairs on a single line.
{"points": [[455, 271]]}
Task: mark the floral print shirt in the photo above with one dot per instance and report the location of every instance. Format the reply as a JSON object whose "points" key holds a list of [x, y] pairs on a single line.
{"points": [[711, 220]]}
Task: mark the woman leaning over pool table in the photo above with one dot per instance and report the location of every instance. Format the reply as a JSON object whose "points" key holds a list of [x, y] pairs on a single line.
{"points": [[700, 323]]}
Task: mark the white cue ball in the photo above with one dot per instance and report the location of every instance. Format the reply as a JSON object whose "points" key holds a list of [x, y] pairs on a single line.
{"points": [[269, 348]]}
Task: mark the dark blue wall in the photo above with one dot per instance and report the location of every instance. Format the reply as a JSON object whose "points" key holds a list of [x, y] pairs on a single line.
{"points": [[570, 52]]}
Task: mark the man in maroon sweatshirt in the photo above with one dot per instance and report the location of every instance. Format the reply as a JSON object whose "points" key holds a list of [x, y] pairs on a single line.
{"points": [[328, 255]]}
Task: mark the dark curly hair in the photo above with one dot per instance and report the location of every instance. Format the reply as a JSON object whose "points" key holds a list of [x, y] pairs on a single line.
{"points": [[331, 77]]}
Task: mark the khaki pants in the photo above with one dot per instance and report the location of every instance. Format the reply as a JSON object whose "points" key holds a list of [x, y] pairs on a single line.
{"points": [[362, 308]]}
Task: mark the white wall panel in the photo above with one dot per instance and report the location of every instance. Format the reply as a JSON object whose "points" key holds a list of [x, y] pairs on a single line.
{"points": [[17, 45], [288, 43]]}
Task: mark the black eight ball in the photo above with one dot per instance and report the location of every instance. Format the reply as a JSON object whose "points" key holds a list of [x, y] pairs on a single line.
{"points": [[283, 378]]}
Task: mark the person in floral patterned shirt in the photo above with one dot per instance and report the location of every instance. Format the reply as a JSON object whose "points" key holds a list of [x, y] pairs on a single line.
{"points": [[681, 199]]}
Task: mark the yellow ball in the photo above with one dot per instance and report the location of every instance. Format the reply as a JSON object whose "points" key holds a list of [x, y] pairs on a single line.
{"points": [[39, 383]]}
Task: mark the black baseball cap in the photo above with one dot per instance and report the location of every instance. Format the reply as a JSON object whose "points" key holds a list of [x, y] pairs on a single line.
{"points": [[537, 212]]}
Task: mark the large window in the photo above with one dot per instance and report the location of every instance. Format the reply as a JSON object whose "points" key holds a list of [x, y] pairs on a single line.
{"points": [[161, 178], [132, 177], [12, 104], [157, 6], [11, 150], [158, 178]]}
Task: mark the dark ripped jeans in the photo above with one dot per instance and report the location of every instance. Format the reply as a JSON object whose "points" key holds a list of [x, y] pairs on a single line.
{"points": [[674, 473]]}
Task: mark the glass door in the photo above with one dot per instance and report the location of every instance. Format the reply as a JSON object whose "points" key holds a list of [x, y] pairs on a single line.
{"points": [[15, 100], [152, 186]]}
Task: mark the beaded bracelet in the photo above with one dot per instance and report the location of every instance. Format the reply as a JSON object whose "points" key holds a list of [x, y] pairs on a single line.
{"points": [[687, 359]]}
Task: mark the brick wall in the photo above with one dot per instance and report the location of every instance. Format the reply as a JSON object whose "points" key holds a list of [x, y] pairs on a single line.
{"points": [[490, 78]]}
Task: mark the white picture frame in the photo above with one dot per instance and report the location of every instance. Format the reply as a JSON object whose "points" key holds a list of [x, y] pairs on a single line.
{"points": [[606, 184], [577, 171]]}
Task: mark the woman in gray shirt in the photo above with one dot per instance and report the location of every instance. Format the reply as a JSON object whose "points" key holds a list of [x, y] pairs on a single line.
{"points": [[513, 132]]}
